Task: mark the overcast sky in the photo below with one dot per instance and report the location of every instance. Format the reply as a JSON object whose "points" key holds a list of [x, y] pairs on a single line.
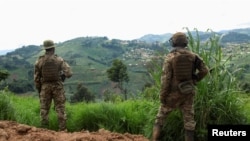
{"points": [[30, 22]]}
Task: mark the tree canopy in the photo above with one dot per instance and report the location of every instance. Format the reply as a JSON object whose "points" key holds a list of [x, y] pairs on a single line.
{"points": [[3, 75], [118, 73]]}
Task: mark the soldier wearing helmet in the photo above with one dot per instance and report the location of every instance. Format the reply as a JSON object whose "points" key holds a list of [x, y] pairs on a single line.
{"points": [[181, 70], [179, 39], [49, 73]]}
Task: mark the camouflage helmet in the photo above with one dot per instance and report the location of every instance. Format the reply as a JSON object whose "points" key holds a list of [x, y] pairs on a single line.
{"points": [[47, 44], [179, 39]]}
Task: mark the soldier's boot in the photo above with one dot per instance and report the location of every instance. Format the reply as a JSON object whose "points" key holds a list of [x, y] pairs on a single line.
{"points": [[44, 123], [189, 135], [156, 132], [62, 125]]}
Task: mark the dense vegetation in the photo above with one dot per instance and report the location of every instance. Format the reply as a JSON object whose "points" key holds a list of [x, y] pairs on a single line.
{"points": [[219, 100]]}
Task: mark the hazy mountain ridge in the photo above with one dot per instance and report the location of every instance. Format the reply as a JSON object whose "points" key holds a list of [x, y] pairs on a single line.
{"points": [[3, 52], [241, 35]]}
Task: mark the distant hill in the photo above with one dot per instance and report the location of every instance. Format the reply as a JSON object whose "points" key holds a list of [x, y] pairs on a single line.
{"points": [[90, 57], [150, 38], [240, 30], [229, 36], [3, 52]]}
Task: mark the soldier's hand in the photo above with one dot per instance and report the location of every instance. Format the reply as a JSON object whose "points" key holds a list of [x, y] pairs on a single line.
{"points": [[38, 89], [63, 77]]}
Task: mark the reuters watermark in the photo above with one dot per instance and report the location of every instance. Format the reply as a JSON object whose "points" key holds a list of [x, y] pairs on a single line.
{"points": [[239, 132]]}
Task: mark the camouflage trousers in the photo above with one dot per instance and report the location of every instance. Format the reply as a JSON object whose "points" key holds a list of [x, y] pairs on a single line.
{"points": [[182, 102], [55, 92]]}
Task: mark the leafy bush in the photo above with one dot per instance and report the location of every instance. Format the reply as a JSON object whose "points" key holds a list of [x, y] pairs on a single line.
{"points": [[3, 75], [82, 94]]}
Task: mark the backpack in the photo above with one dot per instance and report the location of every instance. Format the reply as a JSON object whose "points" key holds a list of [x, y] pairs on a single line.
{"points": [[50, 69]]}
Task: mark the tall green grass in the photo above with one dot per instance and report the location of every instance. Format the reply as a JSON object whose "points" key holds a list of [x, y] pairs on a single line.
{"points": [[120, 117], [218, 98], [6, 109], [129, 116], [246, 99]]}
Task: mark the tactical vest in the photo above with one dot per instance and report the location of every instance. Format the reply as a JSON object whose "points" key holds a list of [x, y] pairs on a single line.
{"points": [[183, 65], [50, 69]]}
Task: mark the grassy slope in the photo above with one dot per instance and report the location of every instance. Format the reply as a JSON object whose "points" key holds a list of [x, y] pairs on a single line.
{"points": [[93, 74]]}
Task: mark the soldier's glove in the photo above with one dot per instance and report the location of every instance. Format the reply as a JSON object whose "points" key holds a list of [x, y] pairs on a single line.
{"points": [[39, 90], [62, 75], [38, 87]]}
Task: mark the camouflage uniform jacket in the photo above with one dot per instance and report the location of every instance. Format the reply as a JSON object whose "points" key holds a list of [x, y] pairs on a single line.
{"points": [[169, 84], [38, 80]]}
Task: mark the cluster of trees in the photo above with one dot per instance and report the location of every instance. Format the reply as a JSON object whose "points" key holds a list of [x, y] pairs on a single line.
{"points": [[3, 75], [82, 94], [116, 73], [17, 86]]}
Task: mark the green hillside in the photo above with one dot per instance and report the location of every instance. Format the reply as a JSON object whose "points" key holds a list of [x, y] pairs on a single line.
{"points": [[89, 58]]}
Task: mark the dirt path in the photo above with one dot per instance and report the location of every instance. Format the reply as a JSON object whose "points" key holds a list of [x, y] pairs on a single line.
{"points": [[13, 131]]}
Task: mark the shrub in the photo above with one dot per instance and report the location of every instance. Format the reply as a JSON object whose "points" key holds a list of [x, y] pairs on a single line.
{"points": [[6, 108]]}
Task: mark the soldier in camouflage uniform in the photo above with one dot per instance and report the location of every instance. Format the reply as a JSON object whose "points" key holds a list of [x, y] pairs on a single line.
{"points": [[49, 73], [179, 77]]}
